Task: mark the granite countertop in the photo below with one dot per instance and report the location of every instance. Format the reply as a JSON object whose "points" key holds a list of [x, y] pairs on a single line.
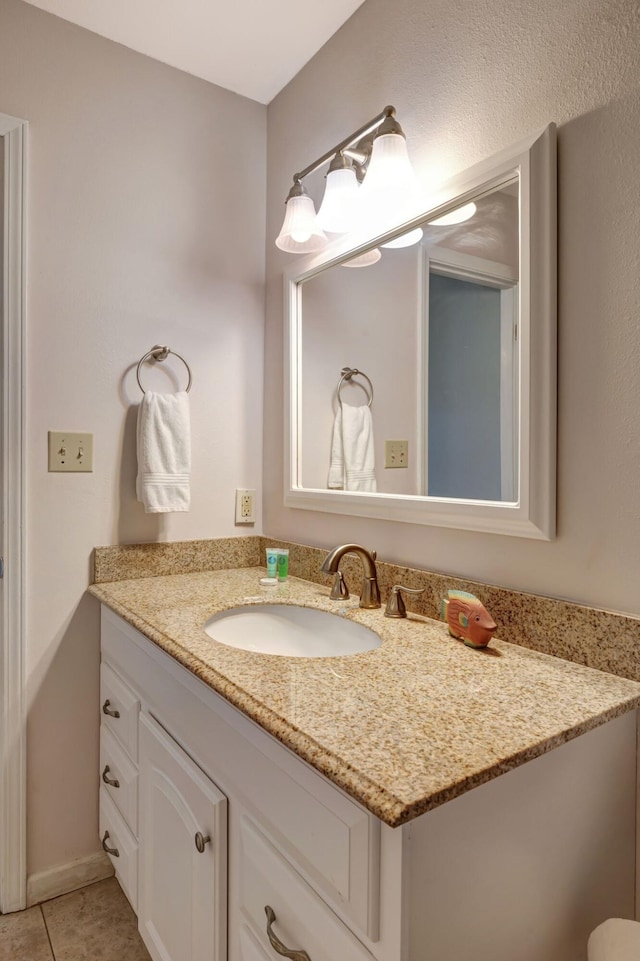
{"points": [[402, 728]]}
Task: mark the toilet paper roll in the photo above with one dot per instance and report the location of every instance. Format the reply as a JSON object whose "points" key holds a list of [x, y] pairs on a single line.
{"points": [[615, 940]]}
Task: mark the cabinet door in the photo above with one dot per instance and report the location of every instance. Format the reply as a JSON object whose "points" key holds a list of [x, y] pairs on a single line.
{"points": [[183, 853]]}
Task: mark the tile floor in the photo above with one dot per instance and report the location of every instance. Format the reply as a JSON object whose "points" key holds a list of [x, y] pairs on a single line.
{"points": [[93, 924]]}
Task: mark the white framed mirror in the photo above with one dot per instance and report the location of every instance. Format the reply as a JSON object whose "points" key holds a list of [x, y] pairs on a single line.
{"points": [[454, 342]]}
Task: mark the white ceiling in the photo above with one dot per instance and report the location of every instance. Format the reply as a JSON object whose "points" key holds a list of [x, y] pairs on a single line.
{"points": [[253, 47]]}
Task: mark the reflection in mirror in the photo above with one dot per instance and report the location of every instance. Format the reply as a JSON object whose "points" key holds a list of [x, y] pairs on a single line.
{"points": [[470, 323], [457, 336], [433, 327]]}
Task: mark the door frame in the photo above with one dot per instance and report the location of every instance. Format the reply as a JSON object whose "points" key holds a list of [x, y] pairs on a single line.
{"points": [[13, 794], [452, 263]]}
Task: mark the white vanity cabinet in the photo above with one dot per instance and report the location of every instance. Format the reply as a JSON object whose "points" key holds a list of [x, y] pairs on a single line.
{"points": [[295, 842], [522, 867]]}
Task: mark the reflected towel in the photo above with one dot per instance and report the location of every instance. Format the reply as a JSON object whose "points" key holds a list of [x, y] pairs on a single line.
{"points": [[352, 466], [336, 466], [164, 452]]}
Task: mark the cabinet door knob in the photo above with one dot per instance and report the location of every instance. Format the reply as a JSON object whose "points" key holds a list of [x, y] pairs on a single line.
{"points": [[201, 842], [107, 710], [277, 944], [109, 780], [112, 851]]}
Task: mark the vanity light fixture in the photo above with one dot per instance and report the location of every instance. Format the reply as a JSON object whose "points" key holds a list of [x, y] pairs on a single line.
{"points": [[374, 156]]}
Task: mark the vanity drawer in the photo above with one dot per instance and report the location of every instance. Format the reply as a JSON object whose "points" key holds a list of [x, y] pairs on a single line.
{"points": [[250, 947], [302, 919], [332, 841], [115, 766], [116, 836], [119, 707]]}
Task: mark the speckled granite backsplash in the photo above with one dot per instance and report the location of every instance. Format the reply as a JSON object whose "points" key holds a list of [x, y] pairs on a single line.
{"points": [[128, 561], [599, 639]]}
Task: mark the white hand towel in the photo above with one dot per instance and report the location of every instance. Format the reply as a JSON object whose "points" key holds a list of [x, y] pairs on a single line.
{"points": [[352, 450], [336, 465], [615, 940], [164, 452]]}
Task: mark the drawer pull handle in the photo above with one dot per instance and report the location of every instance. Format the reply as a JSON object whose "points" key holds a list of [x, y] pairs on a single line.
{"points": [[109, 780], [277, 944], [201, 842], [112, 851], [107, 710]]}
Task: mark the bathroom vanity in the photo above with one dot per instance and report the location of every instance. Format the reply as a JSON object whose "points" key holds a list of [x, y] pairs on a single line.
{"points": [[253, 804]]}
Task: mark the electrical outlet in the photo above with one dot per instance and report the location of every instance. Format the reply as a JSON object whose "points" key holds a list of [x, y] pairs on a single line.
{"points": [[396, 453], [70, 451], [245, 506]]}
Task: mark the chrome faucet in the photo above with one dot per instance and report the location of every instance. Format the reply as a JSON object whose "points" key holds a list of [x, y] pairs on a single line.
{"points": [[369, 592]]}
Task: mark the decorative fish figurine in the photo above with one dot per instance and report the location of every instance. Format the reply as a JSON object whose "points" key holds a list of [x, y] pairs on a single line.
{"points": [[467, 618]]}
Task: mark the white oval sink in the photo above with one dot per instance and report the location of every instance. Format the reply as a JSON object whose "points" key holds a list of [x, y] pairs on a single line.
{"points": [[289, 631]]}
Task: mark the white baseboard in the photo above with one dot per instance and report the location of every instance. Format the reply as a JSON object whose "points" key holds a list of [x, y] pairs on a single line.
{"points": [[64, 878]]}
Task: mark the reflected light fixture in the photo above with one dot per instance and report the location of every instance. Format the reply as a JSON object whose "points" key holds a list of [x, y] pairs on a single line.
{"points": [[457, 216], [364, 260], [371, 188]]}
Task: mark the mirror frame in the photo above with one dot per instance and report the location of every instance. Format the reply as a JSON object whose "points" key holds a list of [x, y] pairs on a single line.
{"points": [[13, 701], [533, 160]]}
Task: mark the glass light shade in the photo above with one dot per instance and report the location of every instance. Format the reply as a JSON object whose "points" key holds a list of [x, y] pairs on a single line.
{"points": [[339, 208], [457, 216], [300, 232], [391, 192], [364, 260]]}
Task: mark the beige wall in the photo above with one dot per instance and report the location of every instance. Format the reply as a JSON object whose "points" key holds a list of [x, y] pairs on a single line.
{"points": [[146, 225], [468, 79]]}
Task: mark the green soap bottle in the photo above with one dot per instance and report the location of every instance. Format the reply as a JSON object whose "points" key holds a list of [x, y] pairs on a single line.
{"points": [[283, 563]]}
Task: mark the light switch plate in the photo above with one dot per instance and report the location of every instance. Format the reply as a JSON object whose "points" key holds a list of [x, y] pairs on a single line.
{"points": [[70, 451]]}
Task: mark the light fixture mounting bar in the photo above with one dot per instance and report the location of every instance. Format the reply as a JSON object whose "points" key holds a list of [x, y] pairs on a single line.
{"points": [[349, 141]]}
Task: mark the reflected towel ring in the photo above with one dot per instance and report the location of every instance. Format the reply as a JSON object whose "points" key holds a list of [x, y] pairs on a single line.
{"points": [[158, 352], [347, 374]]}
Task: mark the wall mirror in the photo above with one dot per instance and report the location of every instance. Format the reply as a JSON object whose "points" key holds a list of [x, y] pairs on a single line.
{"points": [[450, 418]]}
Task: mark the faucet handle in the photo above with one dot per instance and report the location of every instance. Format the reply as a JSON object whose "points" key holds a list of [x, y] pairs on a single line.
{"points": [[395, 604], [339, 589]]}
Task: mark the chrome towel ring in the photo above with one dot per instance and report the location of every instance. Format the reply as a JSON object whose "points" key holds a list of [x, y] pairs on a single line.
{"points": [[347, 374], [158, 352]]}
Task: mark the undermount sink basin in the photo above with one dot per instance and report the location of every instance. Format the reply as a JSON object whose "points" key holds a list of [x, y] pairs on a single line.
{"points": [[289, 631]]}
